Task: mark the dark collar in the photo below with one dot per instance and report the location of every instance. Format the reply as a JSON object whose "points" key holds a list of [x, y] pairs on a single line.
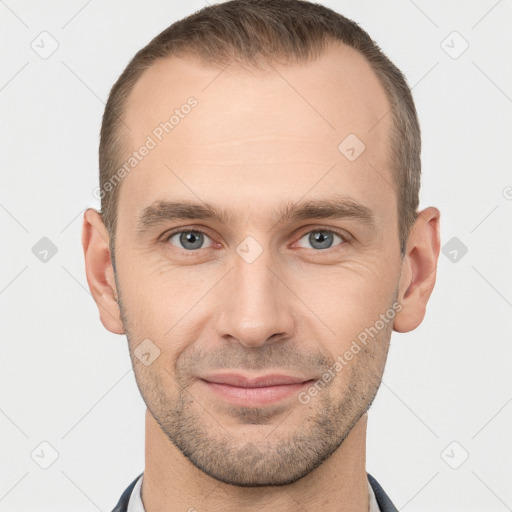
{"points": [[122, 505], [385, 504]]}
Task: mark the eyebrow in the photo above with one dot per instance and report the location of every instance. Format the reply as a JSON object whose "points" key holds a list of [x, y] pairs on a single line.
{"points": [[330, 208]]}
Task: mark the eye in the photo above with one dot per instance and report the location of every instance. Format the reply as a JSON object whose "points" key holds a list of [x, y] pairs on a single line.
{"points": [[189, 240], [193, 239], [321, 239]]}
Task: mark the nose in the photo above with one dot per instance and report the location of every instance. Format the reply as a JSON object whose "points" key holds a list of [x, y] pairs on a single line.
{"points": [[256, 306]]}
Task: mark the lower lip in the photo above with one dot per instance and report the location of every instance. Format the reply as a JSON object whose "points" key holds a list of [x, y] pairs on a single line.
{"points": [[255, 396]]}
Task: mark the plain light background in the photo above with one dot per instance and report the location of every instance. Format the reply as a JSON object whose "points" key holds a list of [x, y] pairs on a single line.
{"points": [[66, 381]]}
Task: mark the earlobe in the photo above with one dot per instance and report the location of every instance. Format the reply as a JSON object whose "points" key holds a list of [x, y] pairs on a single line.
{"points": [[99, 271], [418, 270]]}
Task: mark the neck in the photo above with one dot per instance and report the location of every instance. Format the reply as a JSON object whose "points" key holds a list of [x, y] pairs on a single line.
{"points": [[172, 482]]}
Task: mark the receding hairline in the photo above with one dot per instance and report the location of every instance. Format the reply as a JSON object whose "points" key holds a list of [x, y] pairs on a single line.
{"points": [[242, 65]]}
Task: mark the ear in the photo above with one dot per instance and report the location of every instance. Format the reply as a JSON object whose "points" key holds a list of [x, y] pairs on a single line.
{"points": [[99, 271], [419, 267]]}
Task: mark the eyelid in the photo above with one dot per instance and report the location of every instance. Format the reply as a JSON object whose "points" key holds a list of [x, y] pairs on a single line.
{"points": [[346, 237], [169, 234], [340, 232]]}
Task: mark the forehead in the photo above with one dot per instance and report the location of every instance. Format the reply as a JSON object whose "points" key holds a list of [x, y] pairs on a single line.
{"points": [[258, 133]]}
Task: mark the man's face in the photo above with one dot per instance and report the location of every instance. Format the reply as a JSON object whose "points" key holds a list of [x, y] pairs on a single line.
{"points": [[261, 293]]}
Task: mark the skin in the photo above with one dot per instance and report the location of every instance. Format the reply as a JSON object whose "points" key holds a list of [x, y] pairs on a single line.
{"points": [[250, 144]]}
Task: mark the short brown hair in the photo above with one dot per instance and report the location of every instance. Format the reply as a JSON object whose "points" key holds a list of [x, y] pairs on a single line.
{"points": [[255, 32]]}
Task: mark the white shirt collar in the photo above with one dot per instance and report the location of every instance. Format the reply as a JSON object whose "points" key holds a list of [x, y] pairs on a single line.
{"points": [[135, 503]]}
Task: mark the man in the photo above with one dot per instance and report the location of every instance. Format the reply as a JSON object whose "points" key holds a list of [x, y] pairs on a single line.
{"points": [[258, 242]]}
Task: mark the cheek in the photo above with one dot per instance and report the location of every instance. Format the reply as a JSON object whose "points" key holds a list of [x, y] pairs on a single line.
{"points": [[348, 294], [162, 306], [347, 303]]}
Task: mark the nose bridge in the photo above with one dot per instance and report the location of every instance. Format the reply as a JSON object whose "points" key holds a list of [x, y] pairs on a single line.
{"points": [[256, 306]]}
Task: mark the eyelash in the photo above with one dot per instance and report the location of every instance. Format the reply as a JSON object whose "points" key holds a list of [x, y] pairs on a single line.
{"points": [[344, 236]]}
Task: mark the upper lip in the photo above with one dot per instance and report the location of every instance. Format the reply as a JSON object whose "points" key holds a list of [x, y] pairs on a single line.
{"points": [[235, 379]]}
